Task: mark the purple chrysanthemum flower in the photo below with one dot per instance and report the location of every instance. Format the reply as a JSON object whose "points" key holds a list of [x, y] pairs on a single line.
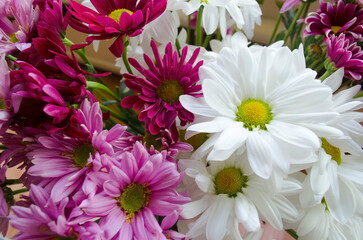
{"points": [[164, 82], [346, 54], [43, 219], [133, 193], [288, 4], [18, 20], [334, 19], [115, 18], [66, 160]]}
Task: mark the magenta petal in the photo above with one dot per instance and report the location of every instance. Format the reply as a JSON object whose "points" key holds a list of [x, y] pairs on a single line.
{"points": [[112, 188], [54, 94], [117, 47]]}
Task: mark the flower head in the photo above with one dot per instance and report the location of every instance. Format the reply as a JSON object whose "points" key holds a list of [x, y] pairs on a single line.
{"points": [[345, 53], [264, 101], [115, 18], [159, 90], [334, 19], [288, 4], [18, 20], [133, 193]]}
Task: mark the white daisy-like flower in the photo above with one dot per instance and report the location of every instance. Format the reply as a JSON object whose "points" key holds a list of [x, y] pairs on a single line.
{"points": [[336, 179], [318, 223], [217, 13], [262, 100], [232, 194], [349, 119]]}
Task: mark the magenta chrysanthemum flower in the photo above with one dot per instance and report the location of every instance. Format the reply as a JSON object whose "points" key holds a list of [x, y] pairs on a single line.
{"points": [[288, 4], [158, 92], [132, 194], [51, 14], [336, 18], [18, 20], [67, 160], [346, 54], [44, 219], [115, 18]]}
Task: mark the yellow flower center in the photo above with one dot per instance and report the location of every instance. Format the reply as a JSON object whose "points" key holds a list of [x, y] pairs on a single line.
{"points": [[2, 104], [333, 151], [116, 14], [169, 91], [81, 154], [133, 198], [230, 181], [335, 29], [254, 113], [13, 38]]}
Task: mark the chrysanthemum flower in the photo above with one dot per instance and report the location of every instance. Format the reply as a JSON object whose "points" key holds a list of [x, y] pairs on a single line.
{"points": [[6, 110], [44, 219], [18, 20], [51, 13], [262, 100], [345, 53], [133, 193], [318, 223], [288, 4], [336, 177], [157, 93], [334, 19], [66, 160], [245, 14], [233, 194], [115, 18]]}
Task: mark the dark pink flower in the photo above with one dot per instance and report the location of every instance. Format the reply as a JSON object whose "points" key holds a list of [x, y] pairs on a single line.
{"points": [[345, 53], [158, 92], [133, 193], [334, 19], [115, 18]]}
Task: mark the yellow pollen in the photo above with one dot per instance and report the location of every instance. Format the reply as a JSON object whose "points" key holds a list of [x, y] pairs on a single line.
{"points": [[116, 14], [169, 91], [134, 197], [335, 29], [230, 181], [333, 151], [13, 38], [254, 113]]}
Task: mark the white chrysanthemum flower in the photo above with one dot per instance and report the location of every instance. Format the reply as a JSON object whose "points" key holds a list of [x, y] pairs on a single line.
{"points": [[349, 118], [336, 179], [216, 13], [318, 223], [231, 194], [262, 100]]}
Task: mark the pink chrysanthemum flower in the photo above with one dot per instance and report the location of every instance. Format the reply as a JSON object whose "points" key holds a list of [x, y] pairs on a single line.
{"points": [[18, 20], [163, 83], [4, 208], [66, 160], [132, 194], [288, 4], [44, 219], [334, 19], [5, 99], [115, 18], [346, 54]]}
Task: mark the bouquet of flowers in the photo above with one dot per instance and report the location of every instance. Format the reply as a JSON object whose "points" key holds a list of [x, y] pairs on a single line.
{"points": [[208, 135]]}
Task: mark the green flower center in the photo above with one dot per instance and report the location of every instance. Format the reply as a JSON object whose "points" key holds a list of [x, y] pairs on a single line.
{"points": [[153, 140], [13, 38], [81, 154], [254, 113], [230, 181], [116, 14], [2, 104], [333, 151], [133, 198], [335, 29], [169, 91]]}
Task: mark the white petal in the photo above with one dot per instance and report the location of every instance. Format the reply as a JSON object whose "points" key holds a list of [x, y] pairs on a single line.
{"points": [[194, 208], [210, 18], [246, 213], [197, 106], [334, 81]]}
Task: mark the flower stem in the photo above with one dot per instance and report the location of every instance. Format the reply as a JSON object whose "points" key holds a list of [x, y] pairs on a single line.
{"points": [[294, 21], [23, 190], [11, 58], [306, 10], [275, 29], [206, 40], [80, 52], [124, 56], [199, 37], [11, 182], [177, 45], [188, 29], [292, 233], [325, 75]]}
